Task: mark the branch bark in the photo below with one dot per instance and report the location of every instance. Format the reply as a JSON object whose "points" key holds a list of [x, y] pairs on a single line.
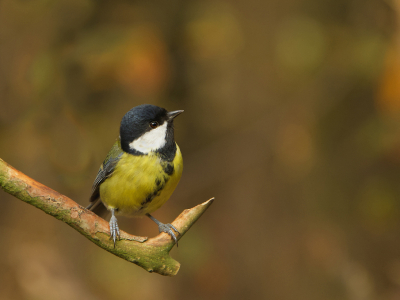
{"points": [[150, 254]]}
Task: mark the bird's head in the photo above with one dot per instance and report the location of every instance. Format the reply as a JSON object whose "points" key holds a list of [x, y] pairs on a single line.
{"points": [[147, 128]]}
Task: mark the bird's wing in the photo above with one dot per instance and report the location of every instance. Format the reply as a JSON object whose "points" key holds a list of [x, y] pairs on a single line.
{"points": [[105, 171]]}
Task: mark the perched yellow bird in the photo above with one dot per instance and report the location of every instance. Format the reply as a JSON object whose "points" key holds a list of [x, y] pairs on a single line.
{"points": [[142, 169]]}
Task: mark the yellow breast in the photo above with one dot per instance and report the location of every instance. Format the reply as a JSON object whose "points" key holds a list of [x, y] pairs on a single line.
{"points": [[141, 184]]}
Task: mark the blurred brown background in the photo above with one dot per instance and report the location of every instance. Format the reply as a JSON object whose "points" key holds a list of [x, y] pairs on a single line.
{"points": [[292, 121]]}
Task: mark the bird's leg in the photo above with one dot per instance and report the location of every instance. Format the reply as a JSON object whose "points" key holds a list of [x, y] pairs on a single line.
{"points": [[114, 230], [165, 228]]}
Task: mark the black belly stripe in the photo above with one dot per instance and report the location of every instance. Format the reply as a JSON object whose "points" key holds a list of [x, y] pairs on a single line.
{"points": [[156, 192], [158, 182], [169, 169]]}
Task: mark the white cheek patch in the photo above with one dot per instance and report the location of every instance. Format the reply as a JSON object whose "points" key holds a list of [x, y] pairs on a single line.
{"points": [[151, 140]]}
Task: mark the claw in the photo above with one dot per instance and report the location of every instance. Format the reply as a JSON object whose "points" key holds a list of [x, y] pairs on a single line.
{"points": [[114, 229], [173, 227], [167, 228]]}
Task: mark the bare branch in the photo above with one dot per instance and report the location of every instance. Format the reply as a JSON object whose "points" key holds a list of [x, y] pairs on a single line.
{"points": [[150, 254]]}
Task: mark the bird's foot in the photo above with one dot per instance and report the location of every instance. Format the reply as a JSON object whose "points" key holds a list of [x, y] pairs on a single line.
{"points": [[114, 229], [167, 228]]}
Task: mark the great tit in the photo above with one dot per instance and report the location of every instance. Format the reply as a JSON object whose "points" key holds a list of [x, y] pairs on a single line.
{"points": [[141, 170]]}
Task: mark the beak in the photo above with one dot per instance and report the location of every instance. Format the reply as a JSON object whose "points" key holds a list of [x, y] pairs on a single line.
{"points": [[172, 114]]}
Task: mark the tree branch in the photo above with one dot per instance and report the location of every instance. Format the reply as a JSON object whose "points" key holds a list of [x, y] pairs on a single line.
{"points": [[150, 254]]}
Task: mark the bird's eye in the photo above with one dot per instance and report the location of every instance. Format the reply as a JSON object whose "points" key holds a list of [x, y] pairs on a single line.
{"points": [[153, 124]]}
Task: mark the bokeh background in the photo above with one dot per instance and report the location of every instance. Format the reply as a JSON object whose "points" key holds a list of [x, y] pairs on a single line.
{"points": [[292, 121]]}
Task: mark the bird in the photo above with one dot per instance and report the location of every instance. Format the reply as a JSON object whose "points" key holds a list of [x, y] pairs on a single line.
{"points": [[142, 169]]}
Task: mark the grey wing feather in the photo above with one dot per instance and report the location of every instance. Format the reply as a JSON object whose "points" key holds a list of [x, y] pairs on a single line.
{"points": [[105, 171]]}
